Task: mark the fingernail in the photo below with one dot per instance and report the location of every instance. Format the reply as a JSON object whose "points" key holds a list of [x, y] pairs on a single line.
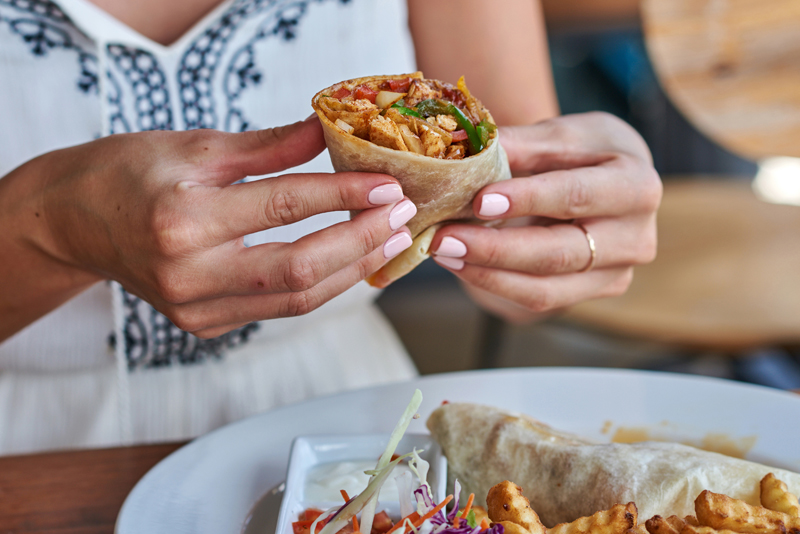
{"points": [[396, 244], [451, 263], [401, 214], [385, 194], [494, 204], [452, 248]]}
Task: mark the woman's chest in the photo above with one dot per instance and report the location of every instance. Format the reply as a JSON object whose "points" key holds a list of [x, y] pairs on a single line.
{"points": [[75, 73]]}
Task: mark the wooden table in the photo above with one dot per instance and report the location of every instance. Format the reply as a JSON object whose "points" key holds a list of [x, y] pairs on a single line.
{"points": [[727, 275], [74, 492], [731, 67]]}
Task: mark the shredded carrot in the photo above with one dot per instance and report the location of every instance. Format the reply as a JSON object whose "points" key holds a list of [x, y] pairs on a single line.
{"points": [[484, 524], [464, 512], [355, 521], [413, 516], [468, 507], [430, 514]]}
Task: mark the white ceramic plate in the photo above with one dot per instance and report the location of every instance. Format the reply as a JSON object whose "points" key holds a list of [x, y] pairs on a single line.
{"points": [[210, 485], [312, 452]]}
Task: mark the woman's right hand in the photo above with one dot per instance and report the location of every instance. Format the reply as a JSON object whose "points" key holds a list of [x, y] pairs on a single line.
{"points": [[160, 213]]}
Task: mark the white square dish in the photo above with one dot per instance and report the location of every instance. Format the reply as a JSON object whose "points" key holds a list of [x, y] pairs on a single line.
{"points": [[312, 454]]}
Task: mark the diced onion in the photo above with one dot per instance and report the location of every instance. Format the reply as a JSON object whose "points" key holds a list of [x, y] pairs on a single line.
{"points": [[387, 98], [412, 141], [344, 126]]}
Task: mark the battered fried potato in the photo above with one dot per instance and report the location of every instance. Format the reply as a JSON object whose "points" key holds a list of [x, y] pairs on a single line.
{"points": [[480, 513], [775, 496], [513, 528], [638, 529], [616, 520], [721, 512], [691, 520], [694, 529], [659, 525], [505, 502]]}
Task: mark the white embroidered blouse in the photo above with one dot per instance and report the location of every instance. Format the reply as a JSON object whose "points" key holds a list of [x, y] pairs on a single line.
{"points": [[106, 368]]}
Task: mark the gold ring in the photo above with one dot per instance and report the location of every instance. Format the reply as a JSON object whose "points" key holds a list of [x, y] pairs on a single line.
{"points": [[592, 248]]}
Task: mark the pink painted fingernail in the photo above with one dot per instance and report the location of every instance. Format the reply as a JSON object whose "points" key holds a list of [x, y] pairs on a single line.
{"points": [[385, 194], [452, 248], [493, 204], [396, 244], [451, 263], [401, 214]]}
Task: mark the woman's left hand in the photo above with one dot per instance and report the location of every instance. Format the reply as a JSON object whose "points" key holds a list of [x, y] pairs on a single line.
{"points": [[579, 176]]}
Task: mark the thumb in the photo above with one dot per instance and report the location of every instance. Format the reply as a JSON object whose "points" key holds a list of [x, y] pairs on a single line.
{"points": [[274, 149]]}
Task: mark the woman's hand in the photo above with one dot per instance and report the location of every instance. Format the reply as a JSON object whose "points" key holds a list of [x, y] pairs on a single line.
{"points": [[160, 213], [591, 171]]}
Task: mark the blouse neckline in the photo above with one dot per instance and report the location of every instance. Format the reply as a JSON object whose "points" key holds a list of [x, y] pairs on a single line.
{"points": [[105, 28]]}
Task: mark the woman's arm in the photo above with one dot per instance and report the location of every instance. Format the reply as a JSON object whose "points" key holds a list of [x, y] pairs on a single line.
{"points": [[499, 46], [32, 283], [160, 212], [583, 173], [592, 168]]}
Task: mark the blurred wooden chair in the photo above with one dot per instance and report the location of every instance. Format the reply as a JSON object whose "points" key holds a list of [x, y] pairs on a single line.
{"points": [[727, 276], [731, 66]]}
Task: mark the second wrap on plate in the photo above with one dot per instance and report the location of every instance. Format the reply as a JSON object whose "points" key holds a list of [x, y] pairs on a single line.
{"points": [[566, 477]]}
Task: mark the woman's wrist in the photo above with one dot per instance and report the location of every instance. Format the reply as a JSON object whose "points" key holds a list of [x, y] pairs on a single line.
{"points": [[33, 278]]}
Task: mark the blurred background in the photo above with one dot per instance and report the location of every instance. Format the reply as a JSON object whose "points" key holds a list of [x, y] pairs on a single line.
{"points": [[713, 86]]}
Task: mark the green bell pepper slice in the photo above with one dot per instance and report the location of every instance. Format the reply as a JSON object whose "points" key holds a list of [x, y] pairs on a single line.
{"points": [[405, 111]]}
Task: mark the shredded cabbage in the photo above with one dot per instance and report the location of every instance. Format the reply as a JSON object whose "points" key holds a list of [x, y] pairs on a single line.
{"points": [[357, 504], [420, 468], [366, 502], [403, 481], [456, 495], [424, 501], [368, 513]]}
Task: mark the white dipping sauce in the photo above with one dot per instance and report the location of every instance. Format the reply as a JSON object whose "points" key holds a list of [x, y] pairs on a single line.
{"points": [[324, 482]]}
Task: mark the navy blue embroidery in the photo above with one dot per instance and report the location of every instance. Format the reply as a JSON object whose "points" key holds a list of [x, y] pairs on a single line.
{"points": [[152, 341], [44, 27], [149, 84], [200, 61], [43, 8], [116, 116], [242, 72]]}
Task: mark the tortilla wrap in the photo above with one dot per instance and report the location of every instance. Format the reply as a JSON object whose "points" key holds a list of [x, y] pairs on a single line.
{"points": [[441, 189], [566, 477]]}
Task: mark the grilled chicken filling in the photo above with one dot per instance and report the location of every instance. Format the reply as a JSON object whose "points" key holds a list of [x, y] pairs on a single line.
{"points": [[427, 117]]}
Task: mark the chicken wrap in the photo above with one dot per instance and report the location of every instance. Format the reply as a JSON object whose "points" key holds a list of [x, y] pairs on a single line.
{"points": [[436, 139], [566, 477]]}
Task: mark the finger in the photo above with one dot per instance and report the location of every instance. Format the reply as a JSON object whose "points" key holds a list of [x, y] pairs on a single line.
{"points": [[546, 293], [232, 269], [557, 249], [211, 317], [245, 208], [271, 150], [216, 331], [570, 141], [620, 186], [298, 266]]}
